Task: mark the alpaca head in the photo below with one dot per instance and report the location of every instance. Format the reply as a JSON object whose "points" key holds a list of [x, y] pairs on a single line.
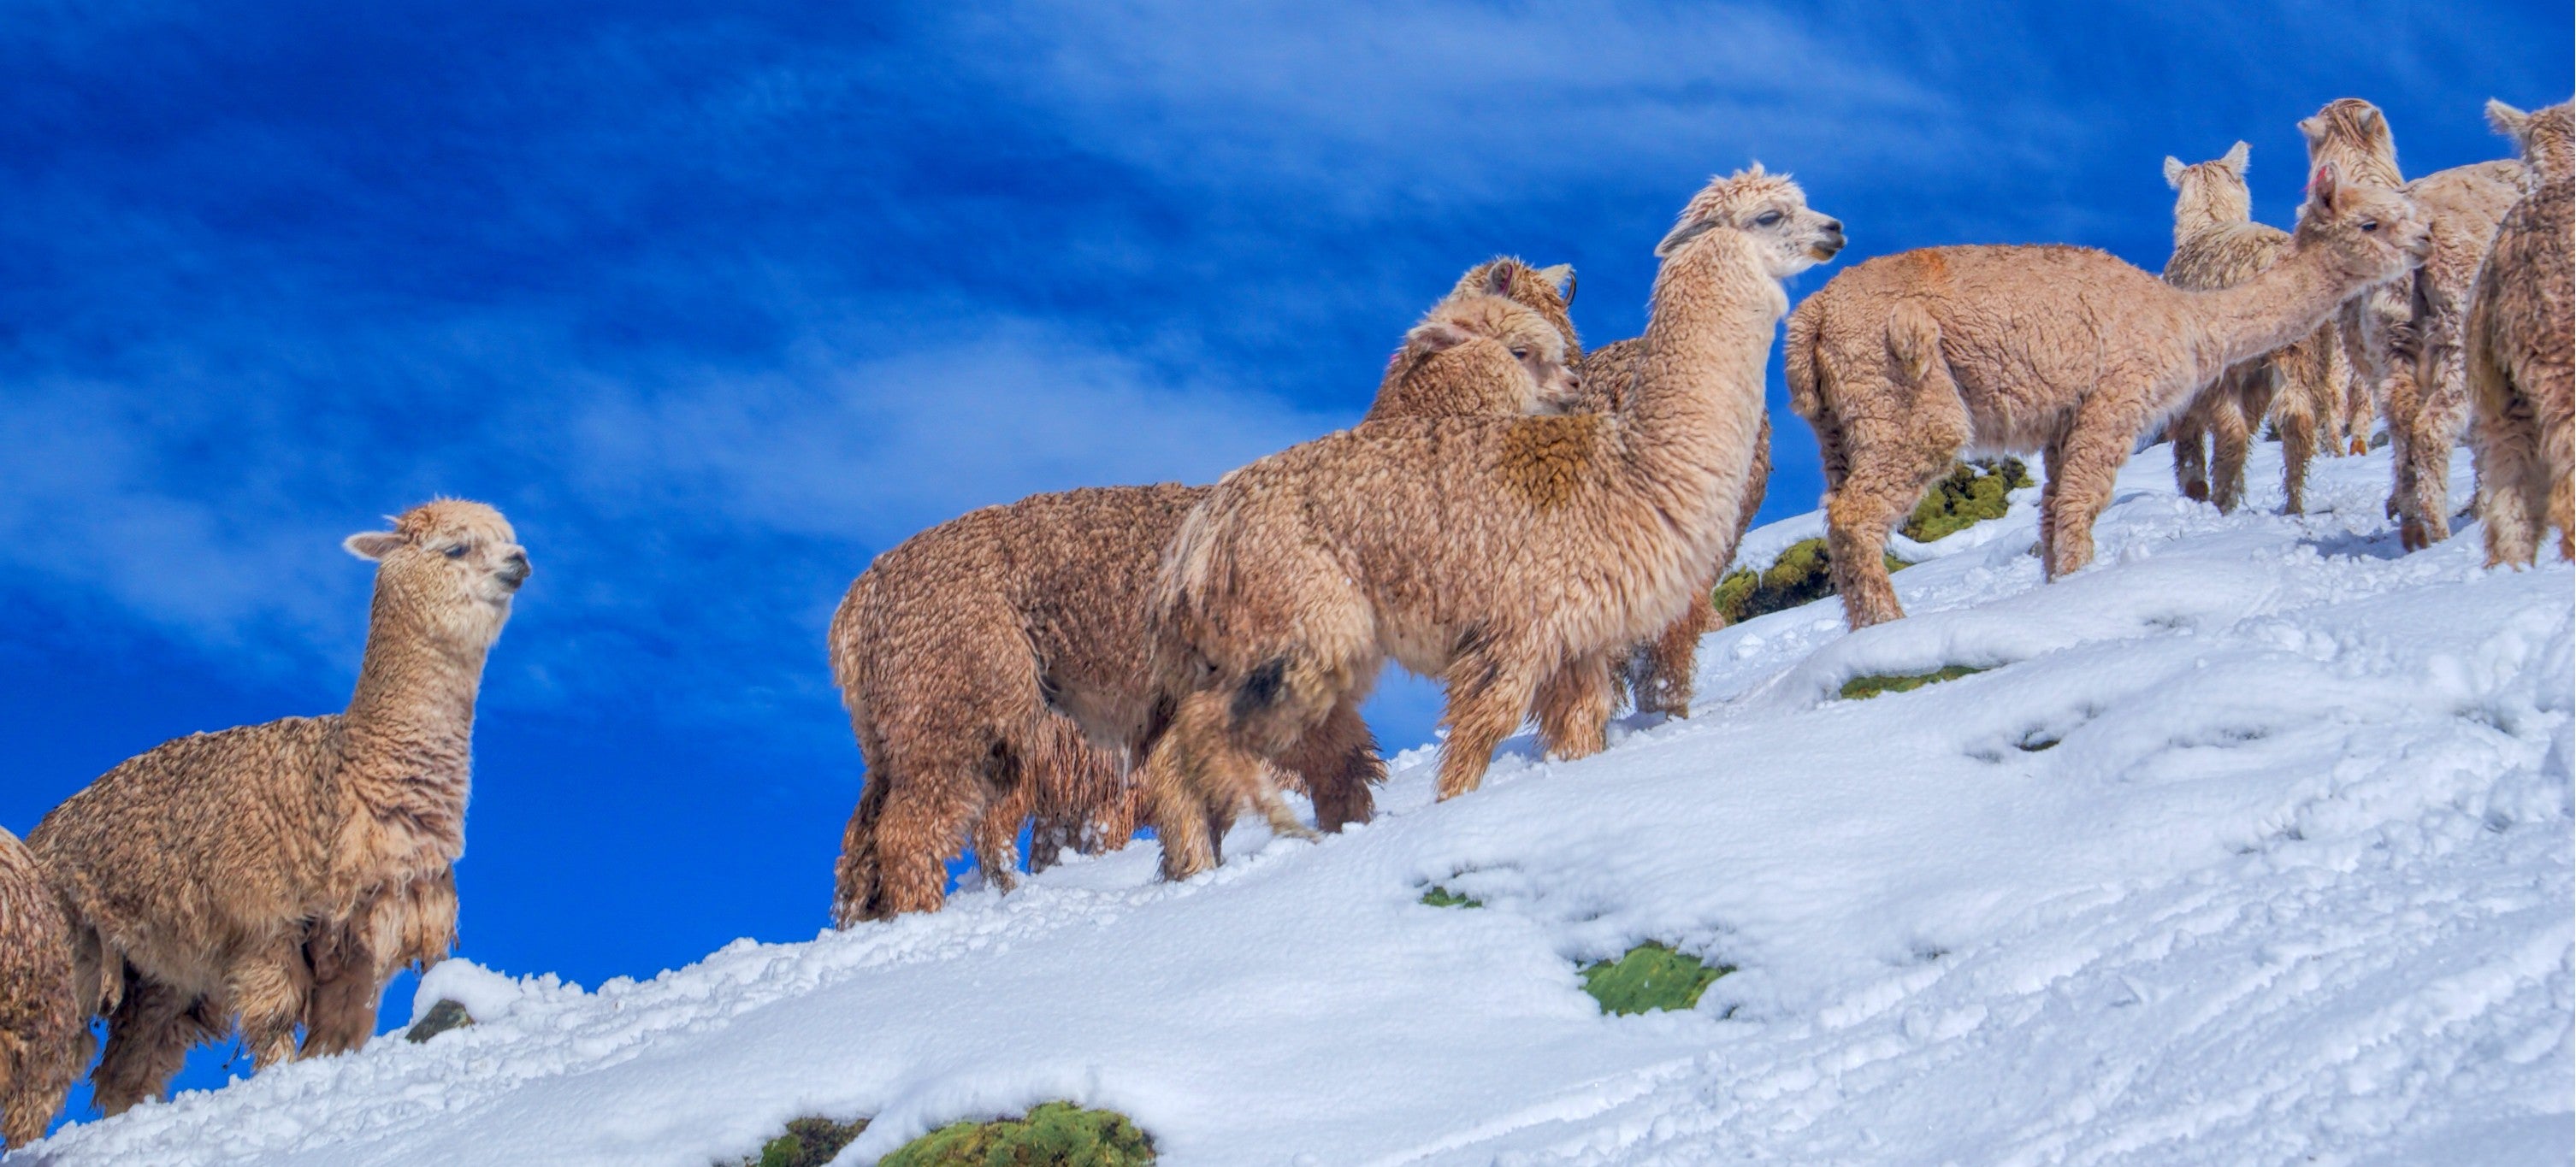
{"points": [[1486, 335], [2210, 192], [2353, 134], [1547, 291], [1769, 212], [450, 565], [2373, 233], [2542, 137]]}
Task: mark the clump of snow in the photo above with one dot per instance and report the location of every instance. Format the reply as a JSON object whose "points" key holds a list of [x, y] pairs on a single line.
{"points": [[2253, 844]]}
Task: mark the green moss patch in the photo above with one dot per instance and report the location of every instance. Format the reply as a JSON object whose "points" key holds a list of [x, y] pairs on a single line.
{"points": [[1441, 897], [1651, 976], [1058, 1134], [1863, 688], [809, 1142], [443, 1016], [1973, 493], [1803, 574]]}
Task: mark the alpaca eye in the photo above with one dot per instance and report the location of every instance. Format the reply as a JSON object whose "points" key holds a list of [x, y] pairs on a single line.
{"points": [[1768, 219], [456, 552], [1520, 354], [2370, 224]]}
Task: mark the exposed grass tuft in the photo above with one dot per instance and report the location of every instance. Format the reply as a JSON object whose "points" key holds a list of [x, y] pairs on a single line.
{"points": [[1441, 897], [1863, 688], [1651, 976], [1057, 1134], [1804, 573], [1973, 493], [809, 1142]]}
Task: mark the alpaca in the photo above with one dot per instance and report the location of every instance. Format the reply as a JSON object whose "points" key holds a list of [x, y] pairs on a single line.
{"points": [[1904, 361], [969, 654], [1438, 373], [1659, 674], [1548, 291], [2403, 340], [2216, 245], [279, 873], [2521, 358], [43, 1043], [1491, 552]]}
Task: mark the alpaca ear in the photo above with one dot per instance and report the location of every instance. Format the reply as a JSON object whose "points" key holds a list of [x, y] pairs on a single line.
{"points": [[2507, 120], [2235, 158], [1439, 336], [1498, 282], [2322, 187], [2173, 172], [1561, 277], [2312, 129], [372, 545], [1683, 233]]}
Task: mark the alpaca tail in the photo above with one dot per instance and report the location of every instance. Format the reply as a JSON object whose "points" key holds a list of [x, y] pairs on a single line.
{"points": [[1803, 363]]}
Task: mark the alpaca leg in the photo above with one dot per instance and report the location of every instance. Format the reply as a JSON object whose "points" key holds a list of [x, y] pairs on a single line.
{"points": [[1857, 522], [918, 832], [1670, 661], [2229, 436], [1337, 761], [2095, 445], [269, 989], [148, 1035], [1488, 691], [2190, 457], [2441, 406], [1198, 778], [1574, 707], [997, 829], [2294, 414], [2508, 466], [340, 1009]]}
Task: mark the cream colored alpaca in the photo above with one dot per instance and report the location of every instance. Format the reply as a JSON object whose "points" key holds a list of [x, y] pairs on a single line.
{"points": [[1491, 553], [43, 1043], [281, 872], [1907, 360], [2403, 340], [2218, 245], [975, 656], [2521, 360]]}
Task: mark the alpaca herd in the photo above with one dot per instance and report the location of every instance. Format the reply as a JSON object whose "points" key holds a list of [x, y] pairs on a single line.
{"points": [[1536, 527]]}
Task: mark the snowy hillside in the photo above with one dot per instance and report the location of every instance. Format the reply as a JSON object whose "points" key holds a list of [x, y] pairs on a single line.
{"points": [[2253, 845]]}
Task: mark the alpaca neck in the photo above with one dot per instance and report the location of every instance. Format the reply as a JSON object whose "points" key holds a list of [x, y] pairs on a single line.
{"points": [[410, 725], [2287, 301], [1696, 404]]}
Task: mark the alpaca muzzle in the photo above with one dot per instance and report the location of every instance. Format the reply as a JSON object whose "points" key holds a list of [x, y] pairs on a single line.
{"points": [[515, 572]]}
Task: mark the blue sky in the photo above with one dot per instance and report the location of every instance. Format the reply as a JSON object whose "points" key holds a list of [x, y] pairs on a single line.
{"points": [[717, 301]]}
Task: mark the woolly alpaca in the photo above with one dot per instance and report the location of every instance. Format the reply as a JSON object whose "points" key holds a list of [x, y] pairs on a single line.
{"points": [[281, 872], [962, 652], [1439, 372], [2218, 245], [2403, 340], [1491, 552], [1658, 673], [2521, 360], [43, 1045], [1906, 360]]}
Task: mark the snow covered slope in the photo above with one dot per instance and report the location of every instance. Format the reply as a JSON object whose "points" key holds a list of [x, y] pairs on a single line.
{"points": [[2292, 884]]}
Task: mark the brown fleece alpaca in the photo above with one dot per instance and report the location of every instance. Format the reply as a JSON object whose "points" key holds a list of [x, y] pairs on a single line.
{"points": [[1908, 359], [2404, 338], [2521, 360], [281, 872], [1491, 552], [1437, 373], [962, 652], [43, 1043], [2218, 245]]}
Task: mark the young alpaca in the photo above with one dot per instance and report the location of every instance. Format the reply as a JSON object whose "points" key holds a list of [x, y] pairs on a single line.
{"points": [[2403, 340], [2521, 354], [1906, 360], [281, 872], [970, 654], [43, 1043], [1437, 373], [2218, 245], [1491, 552]]}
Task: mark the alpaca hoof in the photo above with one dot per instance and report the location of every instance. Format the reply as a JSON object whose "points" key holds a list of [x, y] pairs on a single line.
{"points": [[2410, 535], [2196, 492], [2361, 445]]}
